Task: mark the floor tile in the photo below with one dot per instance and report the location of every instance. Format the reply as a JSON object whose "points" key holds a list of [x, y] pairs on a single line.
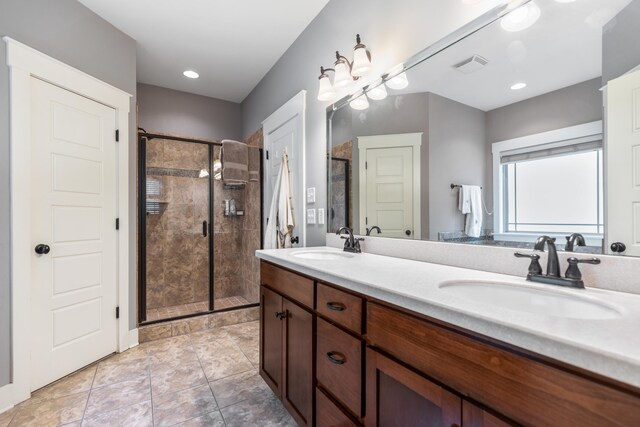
{"points": [[53, 412], [236, 388], [208, 335], [72, 384], [138, 415], [166, 378], [111, 373], [264, 411], [7, 416], [176, 407], [119, 395], [212, 419], [221, 359]]}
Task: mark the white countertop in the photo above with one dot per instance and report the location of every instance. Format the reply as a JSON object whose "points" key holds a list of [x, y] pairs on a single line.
{"points": [[610, 347]]}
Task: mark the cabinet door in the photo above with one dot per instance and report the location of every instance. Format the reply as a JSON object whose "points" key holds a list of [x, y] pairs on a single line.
{"points": [[397, 396], [271, 339], [473, 416], [297, 390]]}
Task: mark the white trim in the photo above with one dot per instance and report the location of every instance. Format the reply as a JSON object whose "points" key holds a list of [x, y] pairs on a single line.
{"points": [[592, 129], [413, 140], [295, 108], [24, 63], [133, 338]]}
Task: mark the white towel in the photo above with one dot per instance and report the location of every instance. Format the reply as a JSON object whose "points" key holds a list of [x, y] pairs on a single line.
{"points": [[470, 204], [281, 222]]}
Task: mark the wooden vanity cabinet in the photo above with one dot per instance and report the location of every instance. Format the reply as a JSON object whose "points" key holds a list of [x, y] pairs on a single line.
{"points": [[286, 340]]}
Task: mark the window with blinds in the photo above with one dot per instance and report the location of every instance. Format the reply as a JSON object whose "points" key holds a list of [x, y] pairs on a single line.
{"points": [[554, 189]]}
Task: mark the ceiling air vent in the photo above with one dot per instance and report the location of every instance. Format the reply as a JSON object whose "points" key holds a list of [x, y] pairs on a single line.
{"points": [[471, 65]]}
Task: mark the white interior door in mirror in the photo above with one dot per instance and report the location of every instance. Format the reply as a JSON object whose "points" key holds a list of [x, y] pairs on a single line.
{"points": [[389, 185], [73, 180], [623, 163]]}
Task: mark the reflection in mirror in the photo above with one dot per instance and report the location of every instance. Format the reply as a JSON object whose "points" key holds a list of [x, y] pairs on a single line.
{"points": [[499, 138]]}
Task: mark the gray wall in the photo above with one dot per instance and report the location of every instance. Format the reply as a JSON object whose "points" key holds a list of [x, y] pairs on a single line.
{"points": [[620, 47], [185, 114], [71, 33], [456, 155], [393, 31]]}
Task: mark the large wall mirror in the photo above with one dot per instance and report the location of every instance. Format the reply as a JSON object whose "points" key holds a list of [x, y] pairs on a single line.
{"points": [[528, 126]]}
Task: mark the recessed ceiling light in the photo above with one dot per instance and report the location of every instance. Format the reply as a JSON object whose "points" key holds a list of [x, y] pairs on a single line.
{"points": [[191, 74], [521, 18], [518, 86]]}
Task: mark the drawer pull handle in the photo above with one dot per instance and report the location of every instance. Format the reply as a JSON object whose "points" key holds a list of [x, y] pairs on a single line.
{"points": [[336, 358], [281, 315], [335, 306]]}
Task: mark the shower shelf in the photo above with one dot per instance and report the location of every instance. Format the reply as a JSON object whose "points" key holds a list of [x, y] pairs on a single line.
{"points": [[238, 213]]}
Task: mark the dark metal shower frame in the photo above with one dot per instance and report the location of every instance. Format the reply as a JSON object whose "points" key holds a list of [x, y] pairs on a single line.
{"points": [[143, 138]]}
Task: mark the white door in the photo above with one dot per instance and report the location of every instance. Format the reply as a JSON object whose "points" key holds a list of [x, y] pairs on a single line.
{"points": [[623, 163], [73, 180], [389, 183], [284, 132]]}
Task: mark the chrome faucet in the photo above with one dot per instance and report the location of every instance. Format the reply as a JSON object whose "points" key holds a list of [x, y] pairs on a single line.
{"points": [[351, 244], [574, 239], [553, 264], [370, 229]]}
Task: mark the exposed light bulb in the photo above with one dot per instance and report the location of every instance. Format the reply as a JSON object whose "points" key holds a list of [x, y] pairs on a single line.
{"points": [[360, 103], [191, 74], [377, 93], [521, 18], [398, 82]]}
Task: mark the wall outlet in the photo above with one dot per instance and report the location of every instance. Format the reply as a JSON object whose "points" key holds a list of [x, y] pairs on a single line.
{"points": [[321, 216], [311, 195], [311, 216]]}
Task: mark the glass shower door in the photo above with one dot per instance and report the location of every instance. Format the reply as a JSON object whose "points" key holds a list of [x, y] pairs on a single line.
{"points": [[177, 232]]}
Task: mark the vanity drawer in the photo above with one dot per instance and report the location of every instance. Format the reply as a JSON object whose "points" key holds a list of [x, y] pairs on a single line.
{"points": [[339, 306], [293, 286], [328, 414], [528, 389], [339, 365]]}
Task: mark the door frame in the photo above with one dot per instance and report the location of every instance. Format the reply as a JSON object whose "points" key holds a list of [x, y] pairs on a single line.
{"points": [[25, 63], [294, 109], [413, 140]]}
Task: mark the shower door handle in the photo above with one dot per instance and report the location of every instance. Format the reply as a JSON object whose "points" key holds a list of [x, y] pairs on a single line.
{"points": [[205, 228]]}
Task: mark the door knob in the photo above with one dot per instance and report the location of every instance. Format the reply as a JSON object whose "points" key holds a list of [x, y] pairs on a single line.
{"points": [[407, 232], [618, 247], [42, 249]]}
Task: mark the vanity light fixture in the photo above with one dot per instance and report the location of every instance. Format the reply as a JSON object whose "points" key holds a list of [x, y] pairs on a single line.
{"points": [[360, 103], [191, 74], [518, 86], [378, 93], [398, 82], [521, 18], [345, 72]]}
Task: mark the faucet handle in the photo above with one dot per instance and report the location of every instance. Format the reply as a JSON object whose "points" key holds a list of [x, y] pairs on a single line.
{"points": [[573, 272], [534, 268]]}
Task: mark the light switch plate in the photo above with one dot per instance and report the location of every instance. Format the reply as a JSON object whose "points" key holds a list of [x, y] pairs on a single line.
{"points": [[321, 216], [311, 195], [311, 216]]}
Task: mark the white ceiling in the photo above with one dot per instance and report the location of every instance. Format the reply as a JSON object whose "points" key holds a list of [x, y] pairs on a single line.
{"points": [[231, 44], [563, 48]]}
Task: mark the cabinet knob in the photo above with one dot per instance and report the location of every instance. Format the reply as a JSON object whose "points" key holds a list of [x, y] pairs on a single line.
{"points": [[618, 247], [281, 315], [335, 306], [336, 358]]}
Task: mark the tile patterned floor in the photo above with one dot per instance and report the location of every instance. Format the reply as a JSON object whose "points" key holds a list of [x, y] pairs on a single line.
{"points": [[195, 307], [206, 378]]}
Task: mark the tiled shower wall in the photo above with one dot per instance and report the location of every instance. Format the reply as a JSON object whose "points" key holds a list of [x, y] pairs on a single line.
{"points": [[177, 251]]}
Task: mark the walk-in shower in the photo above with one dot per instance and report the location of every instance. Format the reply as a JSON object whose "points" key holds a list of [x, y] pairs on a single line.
{"points": [[195, 256]]}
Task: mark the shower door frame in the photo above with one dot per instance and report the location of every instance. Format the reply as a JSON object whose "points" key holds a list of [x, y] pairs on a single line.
{"points": [[143, 138]]}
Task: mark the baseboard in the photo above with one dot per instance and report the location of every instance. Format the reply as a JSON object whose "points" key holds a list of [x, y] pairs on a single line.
{"points": [[133, 338]]}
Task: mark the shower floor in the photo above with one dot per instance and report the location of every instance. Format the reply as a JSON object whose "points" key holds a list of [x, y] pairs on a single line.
{"points": [[194, 307]]}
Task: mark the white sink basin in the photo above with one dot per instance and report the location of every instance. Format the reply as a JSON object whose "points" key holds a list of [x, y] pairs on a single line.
{"points": [[523, 298], [322, 254]]}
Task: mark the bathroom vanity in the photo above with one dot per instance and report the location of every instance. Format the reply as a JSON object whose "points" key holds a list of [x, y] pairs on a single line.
{"points": [[362, 339]]}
